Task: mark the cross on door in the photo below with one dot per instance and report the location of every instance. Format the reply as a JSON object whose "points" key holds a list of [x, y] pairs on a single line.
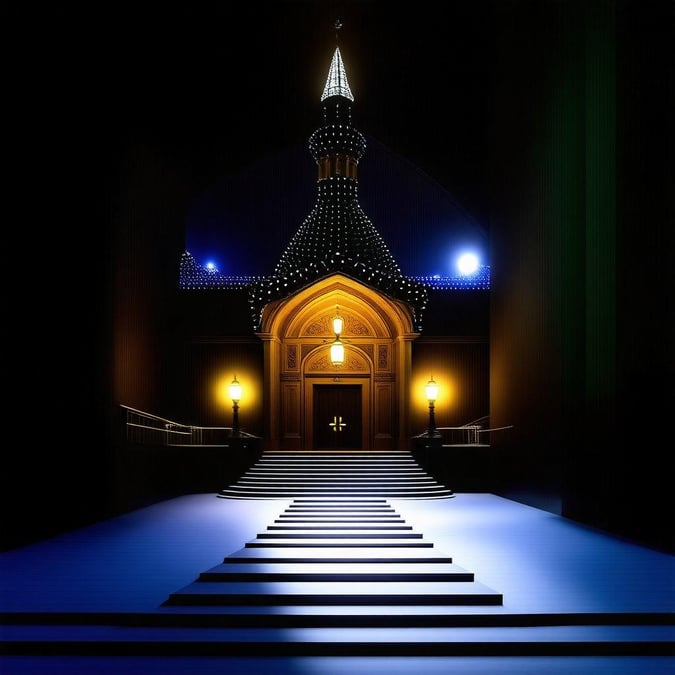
{"points": [[337, 424], [337, 411]]}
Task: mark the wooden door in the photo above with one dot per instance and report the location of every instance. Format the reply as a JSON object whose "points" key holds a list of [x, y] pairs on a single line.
{"points": [[337, 416]]}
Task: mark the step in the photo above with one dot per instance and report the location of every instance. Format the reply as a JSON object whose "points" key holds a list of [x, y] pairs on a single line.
{"points": [[333, 480], [227, 638], [286, 519], [309, 471], [331, 593], [343, 571], [335, 514], [336, 457], [374, 490], [252, 494], [329, 527], [337, 470], [392, 493], [371, 501], [340, 507], [338, 554], [333, 542], [336, 453], [327, 465], [315, 514], [338, 512], [348, 535], [333, 469]]}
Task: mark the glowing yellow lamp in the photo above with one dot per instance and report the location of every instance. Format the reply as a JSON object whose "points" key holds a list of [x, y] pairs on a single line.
{"points": [[337, 353], [235, 390], [431, 390], [337, 323]]}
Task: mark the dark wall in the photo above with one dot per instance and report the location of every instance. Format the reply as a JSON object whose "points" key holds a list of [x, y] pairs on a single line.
{"points": [[645, 260], [151, 194], [460, 367], [581, 318], [453, 347]]}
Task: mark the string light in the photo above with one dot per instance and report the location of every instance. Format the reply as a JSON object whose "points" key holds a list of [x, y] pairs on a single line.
{"points": [[336, 236]]}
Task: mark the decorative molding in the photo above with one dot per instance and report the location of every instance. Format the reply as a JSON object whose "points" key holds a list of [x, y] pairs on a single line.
{"points": [[355, 327], [382, 357], [319, 327], [322, 363], [292, 357], [354, 364]]}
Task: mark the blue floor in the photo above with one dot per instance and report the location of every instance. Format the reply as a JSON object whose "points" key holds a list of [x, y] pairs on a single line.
{"points": [[541, 562]]}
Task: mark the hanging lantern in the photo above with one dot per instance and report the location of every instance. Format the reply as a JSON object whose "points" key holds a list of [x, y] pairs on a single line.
{"points": [[337, 322], [337, 353]]}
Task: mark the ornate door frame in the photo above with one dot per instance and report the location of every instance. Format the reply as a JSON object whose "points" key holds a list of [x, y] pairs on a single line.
{"points": [[378, 334]]}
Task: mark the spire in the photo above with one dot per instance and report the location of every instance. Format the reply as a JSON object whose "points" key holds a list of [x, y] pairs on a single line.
{"points": [[336, 236], [336, 84]]}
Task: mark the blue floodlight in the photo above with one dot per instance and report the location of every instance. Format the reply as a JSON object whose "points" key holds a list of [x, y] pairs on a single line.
{"points": [[467, 263]]}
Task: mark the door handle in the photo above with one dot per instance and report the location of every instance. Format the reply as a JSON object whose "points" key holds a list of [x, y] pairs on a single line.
{"points": [[337, 424]]}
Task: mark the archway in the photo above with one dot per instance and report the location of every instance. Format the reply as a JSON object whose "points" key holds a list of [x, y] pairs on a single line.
{"points": [[378, 332]]}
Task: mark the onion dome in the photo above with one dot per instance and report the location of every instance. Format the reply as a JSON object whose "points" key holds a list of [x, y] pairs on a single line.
{"points": [[337, 236]]}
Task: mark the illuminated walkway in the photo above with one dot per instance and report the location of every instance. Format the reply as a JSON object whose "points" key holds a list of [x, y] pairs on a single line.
{"points": [[530, 592], [348, 562]]}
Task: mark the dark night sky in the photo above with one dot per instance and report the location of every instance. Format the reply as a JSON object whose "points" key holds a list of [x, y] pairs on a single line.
{"points": [[234, 94], [241, 84], [217, 87]]}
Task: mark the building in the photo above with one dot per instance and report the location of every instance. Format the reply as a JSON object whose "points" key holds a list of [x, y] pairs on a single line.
{"points": [[336, 264]]}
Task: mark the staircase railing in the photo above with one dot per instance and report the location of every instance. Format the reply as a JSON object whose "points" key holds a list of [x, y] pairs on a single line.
{"points": [[144, 428], [470, 434]]}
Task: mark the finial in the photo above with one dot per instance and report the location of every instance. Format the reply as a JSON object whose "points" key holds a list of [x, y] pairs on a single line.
{"points": [[338, 25]]}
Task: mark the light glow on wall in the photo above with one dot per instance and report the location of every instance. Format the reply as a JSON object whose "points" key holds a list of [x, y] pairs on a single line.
{"points": [[448, 391], [251, 391]]}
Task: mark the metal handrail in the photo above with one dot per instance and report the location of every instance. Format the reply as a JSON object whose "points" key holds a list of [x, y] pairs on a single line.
{"points": [[149, 429], [471, 432], [151, 416]]}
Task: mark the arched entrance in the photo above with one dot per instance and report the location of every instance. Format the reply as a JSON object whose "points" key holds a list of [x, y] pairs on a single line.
{"points": [[307, 399]]}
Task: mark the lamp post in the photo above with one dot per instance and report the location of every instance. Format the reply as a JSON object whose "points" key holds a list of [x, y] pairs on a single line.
{"points": [[235, 395], [431, 390]]}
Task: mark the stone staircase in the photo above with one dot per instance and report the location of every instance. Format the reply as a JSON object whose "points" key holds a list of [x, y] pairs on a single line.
{"points": [[331, 560], [337, 558], [335, 474]]}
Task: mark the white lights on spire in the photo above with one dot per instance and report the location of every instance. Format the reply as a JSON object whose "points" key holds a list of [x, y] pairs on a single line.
{"points": [[336, 84], [336, 236]]}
